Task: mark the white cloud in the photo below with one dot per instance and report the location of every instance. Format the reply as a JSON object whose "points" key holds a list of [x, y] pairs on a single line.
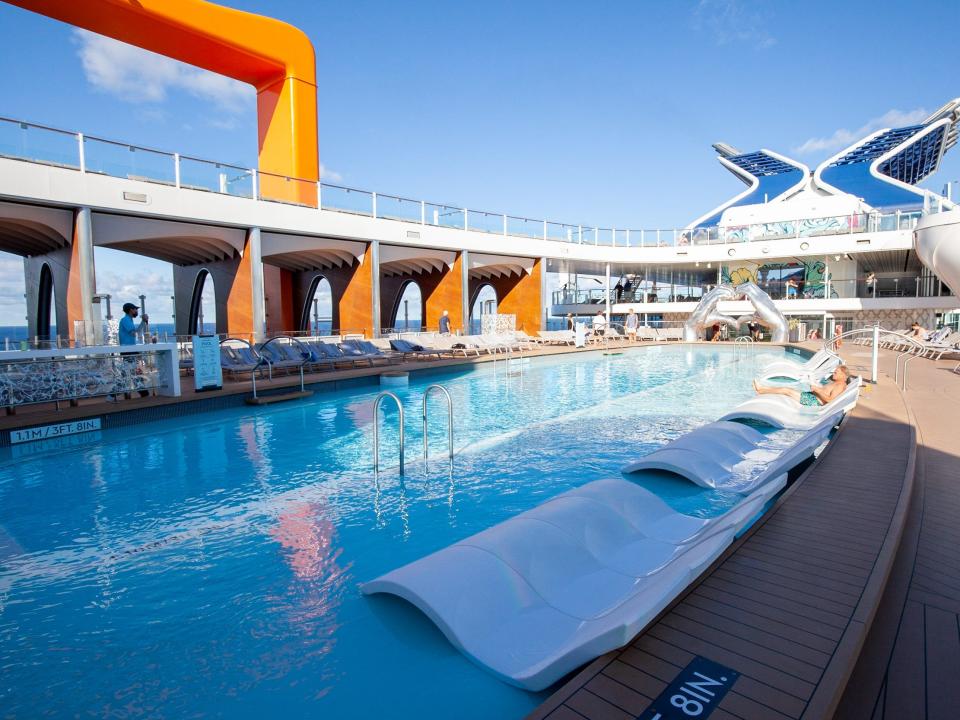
{"points": [[843, 137], [331, 175], [140, 76], [734, 22]]}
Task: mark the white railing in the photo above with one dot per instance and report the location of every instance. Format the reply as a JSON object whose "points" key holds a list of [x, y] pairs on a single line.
{"points": [[41, 144]]}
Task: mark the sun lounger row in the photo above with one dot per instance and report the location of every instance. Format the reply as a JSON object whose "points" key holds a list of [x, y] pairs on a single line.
{"points": [[817, 366], [535, 597]]}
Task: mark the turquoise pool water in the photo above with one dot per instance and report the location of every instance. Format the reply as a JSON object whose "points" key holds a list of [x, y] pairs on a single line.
{"points": [[209, 566]]}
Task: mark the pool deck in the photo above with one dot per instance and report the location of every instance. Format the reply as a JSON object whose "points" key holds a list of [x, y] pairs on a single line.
{"points": [[843, 601], [235, 392]]}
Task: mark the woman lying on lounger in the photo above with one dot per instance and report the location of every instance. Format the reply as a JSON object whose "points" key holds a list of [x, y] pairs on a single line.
{"points": [[817, 395]]}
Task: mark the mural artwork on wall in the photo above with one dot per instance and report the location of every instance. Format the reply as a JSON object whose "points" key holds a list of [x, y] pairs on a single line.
{"points": [[809, 278]]}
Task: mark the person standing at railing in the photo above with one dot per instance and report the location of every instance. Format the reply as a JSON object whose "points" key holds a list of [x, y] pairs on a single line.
{"points": [[128, 332]]}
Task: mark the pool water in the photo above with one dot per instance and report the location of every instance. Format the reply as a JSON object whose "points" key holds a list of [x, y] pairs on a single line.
{"points": [[209, 566]]}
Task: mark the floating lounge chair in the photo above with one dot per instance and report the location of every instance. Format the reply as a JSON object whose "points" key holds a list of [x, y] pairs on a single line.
{"points": [[818, 365], [535, 597], [783, 412]]}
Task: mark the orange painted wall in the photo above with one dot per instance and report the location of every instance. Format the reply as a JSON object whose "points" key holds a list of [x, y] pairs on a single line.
{"points": [[520, 297], [446, 294], [240, 298], [274, 57], [355, 304]]}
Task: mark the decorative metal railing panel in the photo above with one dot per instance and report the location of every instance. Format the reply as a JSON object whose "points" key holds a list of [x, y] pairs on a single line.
{"points": [[42, 380]]}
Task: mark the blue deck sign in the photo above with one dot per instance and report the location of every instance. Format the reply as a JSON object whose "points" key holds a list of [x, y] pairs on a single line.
{"points": [[694, 693], [207, 373]]}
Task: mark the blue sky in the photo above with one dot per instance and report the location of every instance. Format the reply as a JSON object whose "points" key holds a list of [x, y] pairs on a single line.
{"points": [[600, 113]]}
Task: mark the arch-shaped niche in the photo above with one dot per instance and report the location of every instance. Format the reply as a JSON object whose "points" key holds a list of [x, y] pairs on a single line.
{"points": [[203, 304], [317, 318], [45, 303], [408, 311], [483, 302]]}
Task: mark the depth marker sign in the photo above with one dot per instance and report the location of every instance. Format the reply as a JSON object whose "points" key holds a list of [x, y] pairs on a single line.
{"points": [[694, 693]]}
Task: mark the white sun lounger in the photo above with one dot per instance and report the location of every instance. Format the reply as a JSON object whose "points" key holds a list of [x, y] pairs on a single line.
{"points": [[538, 595], [783, 412], [818, 365]]}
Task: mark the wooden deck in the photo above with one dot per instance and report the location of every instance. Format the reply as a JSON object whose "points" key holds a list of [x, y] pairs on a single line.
{"points": [[791, 604]]}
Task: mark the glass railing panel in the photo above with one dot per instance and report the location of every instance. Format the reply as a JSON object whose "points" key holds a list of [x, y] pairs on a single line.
{"points": [[445, 216], [525, 227], [562, 232], [288, 190], [620, 238], [589, 235], [22, 141], [128, 161], [397, 208], [343, 199], [485, 222], [216, 177], [604, 236]]}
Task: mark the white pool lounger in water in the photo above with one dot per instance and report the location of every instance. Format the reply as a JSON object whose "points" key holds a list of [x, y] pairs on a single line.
{"points": [[818, 365], [538, 595], [783, 412], [704, 456]]}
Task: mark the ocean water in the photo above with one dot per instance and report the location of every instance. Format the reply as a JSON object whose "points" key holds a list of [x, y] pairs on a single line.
{"points": [[209, 566]]}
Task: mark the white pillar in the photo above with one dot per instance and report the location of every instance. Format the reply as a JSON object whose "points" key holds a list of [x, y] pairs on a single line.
{"points": [[84, 257], [375, 286], [465, 290], [608, 291], [544, 297], [875, 353], [258, 303]]}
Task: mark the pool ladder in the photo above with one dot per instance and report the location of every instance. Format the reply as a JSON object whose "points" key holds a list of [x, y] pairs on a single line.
{"points": [[426, 394]]}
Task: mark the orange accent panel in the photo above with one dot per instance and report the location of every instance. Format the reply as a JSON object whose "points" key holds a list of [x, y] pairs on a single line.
{"points": [[522, 298], [274, 57], [74, 296], [446, 295], [356, 300], [240, 298]]}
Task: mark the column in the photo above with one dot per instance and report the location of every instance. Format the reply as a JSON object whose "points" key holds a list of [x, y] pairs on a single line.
{"points": [[607, 290], [257, 299], [82, 281], [464, 261]]}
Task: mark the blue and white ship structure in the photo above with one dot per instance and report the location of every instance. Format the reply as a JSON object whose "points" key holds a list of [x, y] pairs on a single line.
{"points": [[853, 241]]}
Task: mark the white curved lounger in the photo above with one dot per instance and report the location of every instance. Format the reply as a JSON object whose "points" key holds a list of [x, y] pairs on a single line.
{"points": [[704, 456], [783, 412], [821, 360]]}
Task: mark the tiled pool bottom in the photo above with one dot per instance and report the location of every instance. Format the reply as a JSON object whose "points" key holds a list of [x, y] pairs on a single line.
{"points": [[209, 567]]}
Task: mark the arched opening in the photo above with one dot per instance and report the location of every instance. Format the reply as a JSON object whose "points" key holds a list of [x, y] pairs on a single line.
{"points": [[408, 312], [203, 305], [484, 303], [45, 303], [316, 316]]}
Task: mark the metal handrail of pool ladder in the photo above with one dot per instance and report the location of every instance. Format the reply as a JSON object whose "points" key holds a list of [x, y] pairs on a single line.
{"points": [[376, 428], [426, 394]]}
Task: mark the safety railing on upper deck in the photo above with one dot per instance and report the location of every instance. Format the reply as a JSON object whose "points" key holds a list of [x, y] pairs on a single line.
{"points": [[52, 146]]}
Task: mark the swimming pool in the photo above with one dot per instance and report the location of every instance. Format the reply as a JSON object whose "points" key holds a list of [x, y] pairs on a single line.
{"points": [[210, 566]]}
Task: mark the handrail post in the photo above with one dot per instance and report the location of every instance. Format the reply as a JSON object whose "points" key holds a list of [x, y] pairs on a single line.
{"points": [[176, 170], [373, 204], [426, 394], [376, 429], [423, 212], [255, 184], [82, 153]]}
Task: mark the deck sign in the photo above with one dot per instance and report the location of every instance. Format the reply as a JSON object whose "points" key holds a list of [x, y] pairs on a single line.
{"points": [[46, 432], [694, 693], [207, 373]]}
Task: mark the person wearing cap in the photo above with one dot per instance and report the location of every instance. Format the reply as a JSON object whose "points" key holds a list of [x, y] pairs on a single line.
{"points": [[128, 328]]}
